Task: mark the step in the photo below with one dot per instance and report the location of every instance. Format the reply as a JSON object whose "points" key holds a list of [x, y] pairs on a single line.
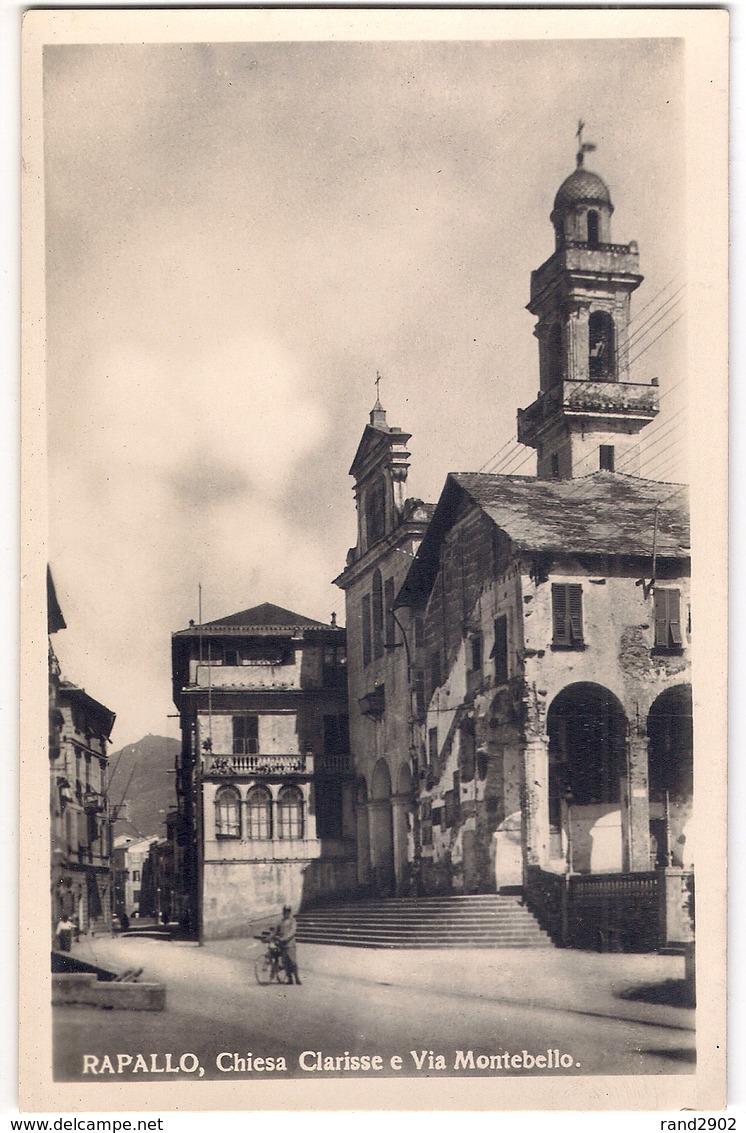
{"points": [[453, 921]]}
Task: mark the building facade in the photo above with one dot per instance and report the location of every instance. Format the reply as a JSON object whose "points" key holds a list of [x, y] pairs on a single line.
{"points": [[264, 783], [557, 629], [80, 821], [130, 859], [383, 705], [543, 738]]}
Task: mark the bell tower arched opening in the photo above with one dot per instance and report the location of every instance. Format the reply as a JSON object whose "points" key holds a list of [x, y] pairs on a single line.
{"points": [[601, 349]]}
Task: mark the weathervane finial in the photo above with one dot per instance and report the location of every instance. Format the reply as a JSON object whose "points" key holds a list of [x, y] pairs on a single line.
{"points": [[583, 147]]}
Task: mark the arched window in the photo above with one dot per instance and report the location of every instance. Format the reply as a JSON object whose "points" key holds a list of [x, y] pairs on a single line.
{"points": [[290, 813], [259, 814], [592, 228], [601, 361], [228, 813], [377, 614]]}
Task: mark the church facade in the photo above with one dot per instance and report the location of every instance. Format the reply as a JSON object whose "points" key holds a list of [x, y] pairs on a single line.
{"points": [[547, 625]]}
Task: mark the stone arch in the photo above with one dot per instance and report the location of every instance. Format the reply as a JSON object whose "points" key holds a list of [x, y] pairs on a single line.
{"points": [[670, 774], [601, 346], [381, 781], [404, 786], [587, 730]]}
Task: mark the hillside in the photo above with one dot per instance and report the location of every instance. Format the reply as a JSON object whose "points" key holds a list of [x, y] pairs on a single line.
{"points": [[142, 775]]}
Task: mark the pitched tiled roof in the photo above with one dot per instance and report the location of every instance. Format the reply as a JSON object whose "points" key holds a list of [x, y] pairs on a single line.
{"points": [[604, 513], [265, 617]]}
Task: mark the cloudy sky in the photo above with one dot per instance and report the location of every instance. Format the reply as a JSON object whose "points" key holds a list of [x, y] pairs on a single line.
{"points": [[240, 235]]}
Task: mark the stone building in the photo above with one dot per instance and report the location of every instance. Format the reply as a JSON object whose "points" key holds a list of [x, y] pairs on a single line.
{"points": [[80, 827], [264, 784], [557, 744], [129, 874], [380, 646]]}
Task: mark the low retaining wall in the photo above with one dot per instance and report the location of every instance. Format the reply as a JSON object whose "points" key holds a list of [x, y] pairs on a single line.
{"points": [[83, 988]]}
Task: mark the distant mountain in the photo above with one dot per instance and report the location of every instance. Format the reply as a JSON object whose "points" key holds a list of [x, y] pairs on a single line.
{"points": [[142, 776]]}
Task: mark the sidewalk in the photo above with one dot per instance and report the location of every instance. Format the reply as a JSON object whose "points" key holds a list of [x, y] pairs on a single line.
{"points": [[568, 981]]}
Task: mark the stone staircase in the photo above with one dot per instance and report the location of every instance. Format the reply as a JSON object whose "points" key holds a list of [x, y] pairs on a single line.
{"points": [[473, 921]]}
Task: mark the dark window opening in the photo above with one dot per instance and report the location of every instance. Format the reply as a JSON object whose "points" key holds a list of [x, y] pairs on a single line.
{"points": [[245, 735], [606, 458], [554, 466], [567, 613], [601, 345], [329, 812], [593, 228], [336, 735], [475, 649], [432, 750]]}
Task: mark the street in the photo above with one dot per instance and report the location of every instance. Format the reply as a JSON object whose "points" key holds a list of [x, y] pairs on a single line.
{"points": [[440, 1013]]}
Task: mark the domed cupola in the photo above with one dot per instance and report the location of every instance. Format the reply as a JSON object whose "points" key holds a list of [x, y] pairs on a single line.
{"points": [[582, 207]]}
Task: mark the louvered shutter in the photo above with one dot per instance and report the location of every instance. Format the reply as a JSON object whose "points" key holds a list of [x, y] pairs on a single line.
{"points": [[660, 604], [575, 611], [559, 612], [674, 617]]}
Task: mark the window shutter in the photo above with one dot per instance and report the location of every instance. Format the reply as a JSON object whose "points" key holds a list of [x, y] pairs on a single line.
{"points": [[660, 609], [668, 619], [559, 612], [575, 607]]}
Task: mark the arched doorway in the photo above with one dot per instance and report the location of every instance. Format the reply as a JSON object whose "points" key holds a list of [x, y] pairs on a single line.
{"points": [[382, 832], [670, 775], [587, 730]]}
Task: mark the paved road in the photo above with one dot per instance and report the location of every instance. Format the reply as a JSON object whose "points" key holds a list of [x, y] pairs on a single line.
{"points": [[384, 1003]]}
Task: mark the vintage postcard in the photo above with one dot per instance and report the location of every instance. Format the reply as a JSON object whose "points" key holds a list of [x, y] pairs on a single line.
{"points": [[374, 485]]}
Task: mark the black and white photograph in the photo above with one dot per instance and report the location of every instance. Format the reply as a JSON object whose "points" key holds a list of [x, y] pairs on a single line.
{"points": [[375, 486]]}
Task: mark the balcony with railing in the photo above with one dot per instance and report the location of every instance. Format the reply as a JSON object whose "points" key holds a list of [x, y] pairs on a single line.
{"points": [[235, 765], [580, 257], [634, 400]]}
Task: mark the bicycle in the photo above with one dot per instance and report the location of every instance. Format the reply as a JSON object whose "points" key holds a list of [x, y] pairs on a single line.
{"points": [[269, 967]]}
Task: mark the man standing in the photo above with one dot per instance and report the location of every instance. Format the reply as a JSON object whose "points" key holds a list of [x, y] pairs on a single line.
{"points": [[286, 931]]}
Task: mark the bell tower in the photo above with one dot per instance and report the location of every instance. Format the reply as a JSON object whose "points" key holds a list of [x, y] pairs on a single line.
{"points": [[588, 414], [380, 471]]}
